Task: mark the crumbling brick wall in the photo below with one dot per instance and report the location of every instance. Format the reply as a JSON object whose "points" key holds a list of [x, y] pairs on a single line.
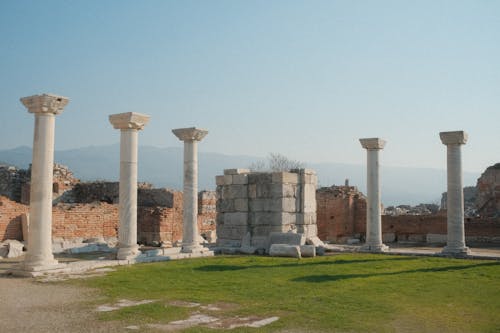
{"points": [[341, 213], [10, 219]]}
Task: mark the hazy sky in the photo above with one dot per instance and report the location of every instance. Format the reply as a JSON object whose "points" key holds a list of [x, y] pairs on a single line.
{"points": [[302, 78]]}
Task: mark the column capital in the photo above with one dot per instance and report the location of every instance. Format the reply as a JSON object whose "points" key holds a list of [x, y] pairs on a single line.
{"points": [[453, 138], [129, 120], [372, 143], [190, 133], [45, 103]]}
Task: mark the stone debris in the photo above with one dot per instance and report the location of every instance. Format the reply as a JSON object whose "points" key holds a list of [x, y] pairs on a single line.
{"points": [[133, 327], [184, 304], [236, 322], [11, 248], [123, 303], [285, 250], [308, 251], [194, 320]]}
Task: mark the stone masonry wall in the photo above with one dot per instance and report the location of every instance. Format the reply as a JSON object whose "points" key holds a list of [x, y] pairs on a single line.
{"points": [[261, 203]]}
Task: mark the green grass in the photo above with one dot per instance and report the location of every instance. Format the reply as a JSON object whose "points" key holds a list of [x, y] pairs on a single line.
{"points": [[342, 293]]}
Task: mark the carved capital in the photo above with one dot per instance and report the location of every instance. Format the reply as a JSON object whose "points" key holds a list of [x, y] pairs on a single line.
{"points": [[190, 134], [454, 138], [45, 103], [129, 120], [372, 143]]}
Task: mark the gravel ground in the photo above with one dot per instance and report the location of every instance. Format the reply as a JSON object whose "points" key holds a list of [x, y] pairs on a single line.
{"points": [[30, 306]]}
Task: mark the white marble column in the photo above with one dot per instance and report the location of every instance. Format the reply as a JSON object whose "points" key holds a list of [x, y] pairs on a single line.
{"points": [[373, 215], [455, 197], [190, 136], [129, 125], [39, 256]]}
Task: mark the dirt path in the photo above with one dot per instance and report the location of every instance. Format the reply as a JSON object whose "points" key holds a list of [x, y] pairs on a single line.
{"points": [[30, 306]]}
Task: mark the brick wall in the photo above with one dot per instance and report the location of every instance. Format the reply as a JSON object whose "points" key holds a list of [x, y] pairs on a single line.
{"points": [[10, 219], [341, 213], [70, 221]]}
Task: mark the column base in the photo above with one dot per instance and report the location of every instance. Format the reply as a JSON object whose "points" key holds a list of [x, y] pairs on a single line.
{"points": [[380, 248], [193, 248], [38, 269], [127, 252], [455, 251]]}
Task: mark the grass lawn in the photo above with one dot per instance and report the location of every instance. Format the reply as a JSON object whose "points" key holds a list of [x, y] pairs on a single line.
{"points": [[340, 293]]}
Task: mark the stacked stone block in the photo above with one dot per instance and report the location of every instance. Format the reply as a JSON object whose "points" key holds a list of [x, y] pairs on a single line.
{"points": [[263, 202]]}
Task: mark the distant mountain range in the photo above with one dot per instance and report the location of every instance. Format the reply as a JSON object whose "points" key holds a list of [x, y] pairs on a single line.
{"points": [[163, 168]]}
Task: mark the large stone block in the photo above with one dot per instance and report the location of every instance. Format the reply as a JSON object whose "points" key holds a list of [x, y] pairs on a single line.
{"points": [[252, 191], [257, 205], [285, 177], [308, 251], [272, 218], [223, 180], [264, 190], [260, 178], [284, 250], [234, 192], [240, 179], [388, 237], [232, 232], [235, 219], [281, 205], [225, 205], [287, 238], [221, 242], [309, 198], [241, 205], [231, 172]]}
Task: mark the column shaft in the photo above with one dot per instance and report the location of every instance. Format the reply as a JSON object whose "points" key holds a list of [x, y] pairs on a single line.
{"points": [[455, 199], [127, 236], [190, 210], [40, 229], [374, 220]]}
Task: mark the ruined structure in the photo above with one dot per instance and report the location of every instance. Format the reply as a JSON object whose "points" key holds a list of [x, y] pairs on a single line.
{"points": [[129, 124], [373, 241], [341, 213], [258, 203], [190, 137], [488, 192]]}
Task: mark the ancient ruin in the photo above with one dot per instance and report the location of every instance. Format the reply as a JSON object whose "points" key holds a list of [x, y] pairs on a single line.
{"points": [[129, 125], [455, 201], [253, 205], [373, 241], [45, 107], [190, 137], [488, 193]]}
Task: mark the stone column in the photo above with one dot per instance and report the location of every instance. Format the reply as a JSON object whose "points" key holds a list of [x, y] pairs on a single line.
{"points": [[129, 125], [45, 107], [455, 198], [373, 218], [190, 136]]}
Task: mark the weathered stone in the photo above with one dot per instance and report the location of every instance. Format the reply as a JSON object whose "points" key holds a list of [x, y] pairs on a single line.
{"points": [[308, 250], [388, 237], [314, 241], [285, 177], [235, 171], [234, 192], [246, 245], [286, 238], [235, 219], [240, 179], [241, 205], [284, 250], [15, 248], [436, 238]]}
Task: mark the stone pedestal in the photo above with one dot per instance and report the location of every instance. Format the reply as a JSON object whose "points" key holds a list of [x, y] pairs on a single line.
{"points": [[455, 197], [191, 136], [129, 124], [373, 214], [39, 256]]}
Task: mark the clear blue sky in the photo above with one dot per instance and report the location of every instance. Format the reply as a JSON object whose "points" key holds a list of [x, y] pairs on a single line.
{"points": [[302, 78]]}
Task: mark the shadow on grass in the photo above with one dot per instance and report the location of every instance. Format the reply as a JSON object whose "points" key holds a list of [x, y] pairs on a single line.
{"points": [[328, 277], [222, 268]]}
